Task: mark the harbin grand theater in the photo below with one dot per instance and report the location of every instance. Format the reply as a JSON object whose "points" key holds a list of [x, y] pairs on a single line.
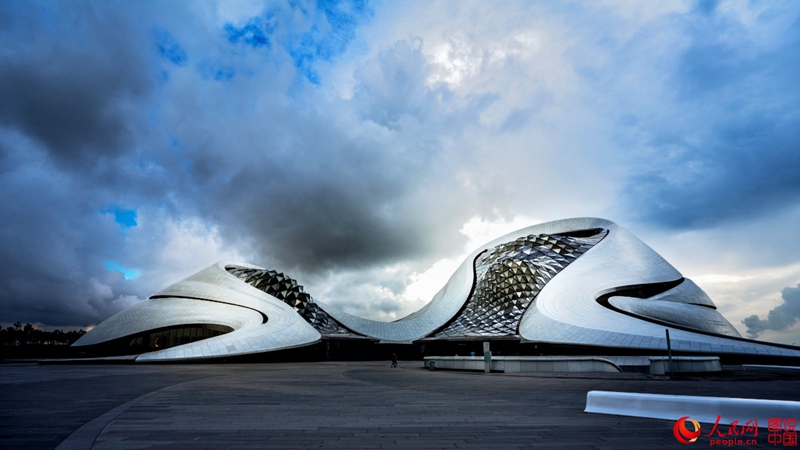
{"points": [[582, 286]]}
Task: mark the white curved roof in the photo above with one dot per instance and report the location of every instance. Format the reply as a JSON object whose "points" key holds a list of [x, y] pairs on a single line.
{"points": [[449, 300], [566, 311], [590, 300], [211, 296]]}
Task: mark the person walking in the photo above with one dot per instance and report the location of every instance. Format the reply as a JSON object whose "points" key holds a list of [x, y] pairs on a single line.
{"points": [[394, 359]]}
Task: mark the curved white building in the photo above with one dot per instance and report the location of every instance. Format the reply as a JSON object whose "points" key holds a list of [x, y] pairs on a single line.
{"points": [[582, 282]]}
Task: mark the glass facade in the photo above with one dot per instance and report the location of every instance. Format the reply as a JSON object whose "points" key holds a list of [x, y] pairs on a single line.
{"points": [[509, 277], [287, 290], [162, 338]]}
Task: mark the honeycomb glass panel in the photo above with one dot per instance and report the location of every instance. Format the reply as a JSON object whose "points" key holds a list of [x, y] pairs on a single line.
{"points": [[288, 291], [509, 277]]}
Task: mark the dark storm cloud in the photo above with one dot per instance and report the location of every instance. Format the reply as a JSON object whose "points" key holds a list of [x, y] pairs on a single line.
{"points": [[331, 200], [727, 149], [105, 116], [69, 76], [54, 244], [779, 318], [132, 135], [63, 89], [342, 183]]}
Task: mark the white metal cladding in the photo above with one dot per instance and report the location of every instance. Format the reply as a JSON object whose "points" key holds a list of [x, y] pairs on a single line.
{"points": [[449, 300], [167, 312], [211, 296], [566, 309]]}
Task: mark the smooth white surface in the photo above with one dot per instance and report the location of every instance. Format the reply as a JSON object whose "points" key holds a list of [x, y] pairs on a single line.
{"points": [[445, 304], [449, 300], [166, 312], [215, 297], [566, 310], [701, 409]]}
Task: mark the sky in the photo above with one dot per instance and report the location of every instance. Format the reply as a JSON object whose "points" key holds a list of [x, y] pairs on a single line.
{"points": [[365, 148]]}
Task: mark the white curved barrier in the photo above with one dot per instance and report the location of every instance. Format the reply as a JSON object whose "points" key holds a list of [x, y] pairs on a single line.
{"points": [[701, 409]]}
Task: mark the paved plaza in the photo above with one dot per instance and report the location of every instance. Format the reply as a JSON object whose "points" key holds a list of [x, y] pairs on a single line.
{"points": [[350, 405]]}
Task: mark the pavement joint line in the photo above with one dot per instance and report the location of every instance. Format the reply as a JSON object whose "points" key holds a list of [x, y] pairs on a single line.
{"points": [[85, 436]]}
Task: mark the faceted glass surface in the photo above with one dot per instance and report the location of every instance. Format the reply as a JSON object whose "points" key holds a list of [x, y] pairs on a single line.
{"points": [[509, 277], [287, 290]]}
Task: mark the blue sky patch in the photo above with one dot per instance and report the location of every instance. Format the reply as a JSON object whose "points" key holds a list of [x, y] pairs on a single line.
{"points": [[170, 50], [342, 19], [254, 33], [129, 274], [332, 29], [124, 217]]}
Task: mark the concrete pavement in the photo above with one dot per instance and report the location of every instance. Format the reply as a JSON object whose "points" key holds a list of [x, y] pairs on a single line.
{"points": [[349, 405]]}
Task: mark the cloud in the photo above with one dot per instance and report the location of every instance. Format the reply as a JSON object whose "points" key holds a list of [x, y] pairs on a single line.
{"points": [[254, 33], [720, 147], [780, 318], [346, 186], [128, 273], [66, 93], [360, 147], [333, 30], [171, 50], [392, 86]]}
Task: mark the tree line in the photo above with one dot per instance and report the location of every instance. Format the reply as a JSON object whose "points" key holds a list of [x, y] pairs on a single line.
{"points": [[19, 335]]}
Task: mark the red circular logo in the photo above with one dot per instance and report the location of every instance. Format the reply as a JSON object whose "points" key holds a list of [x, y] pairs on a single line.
{"points": [[682, 434]]}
